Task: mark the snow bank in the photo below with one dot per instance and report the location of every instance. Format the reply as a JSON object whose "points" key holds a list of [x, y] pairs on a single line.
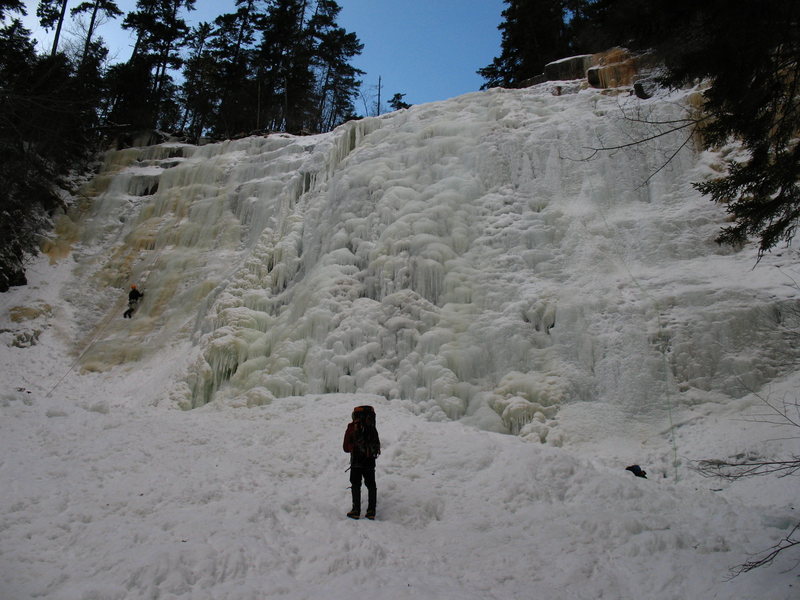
{"points": [[109, 498]]}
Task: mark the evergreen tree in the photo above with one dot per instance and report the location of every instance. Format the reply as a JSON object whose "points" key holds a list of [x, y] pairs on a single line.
{"points": [[306, 81], [97, 9], [337, 79], [297, 78], [46, 120], [11, 6], [236, 83], [534, 32], [144, 92], [142, 21], [247, 14], [396, 102], [171, 32], [16, 53], [284, 60], [51, 14], [128, 105], [197, 92]]}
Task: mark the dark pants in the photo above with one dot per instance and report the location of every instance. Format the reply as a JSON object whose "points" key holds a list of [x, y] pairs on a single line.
{"points": [[356, 474], [128, 314]]}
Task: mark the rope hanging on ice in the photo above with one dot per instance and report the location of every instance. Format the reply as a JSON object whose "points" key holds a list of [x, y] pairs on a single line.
{"points": [[108, 318], [661, 331]]}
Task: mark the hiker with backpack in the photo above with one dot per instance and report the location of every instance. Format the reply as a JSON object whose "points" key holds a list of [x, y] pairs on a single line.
{"points": [[361, 441]]}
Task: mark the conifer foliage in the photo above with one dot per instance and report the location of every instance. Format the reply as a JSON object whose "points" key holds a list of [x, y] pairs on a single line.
{"points": [[47, 118], [285, 66], [534, 32]]}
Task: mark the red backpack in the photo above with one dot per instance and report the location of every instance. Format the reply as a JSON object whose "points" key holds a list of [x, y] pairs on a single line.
{"points": [[365, 436]]}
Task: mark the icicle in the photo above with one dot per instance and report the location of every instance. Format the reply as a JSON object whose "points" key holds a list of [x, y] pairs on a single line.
{"points": [[449, 255]]}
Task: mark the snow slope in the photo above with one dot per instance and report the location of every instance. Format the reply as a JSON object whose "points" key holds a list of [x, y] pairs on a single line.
{"points": [[453, 265]]}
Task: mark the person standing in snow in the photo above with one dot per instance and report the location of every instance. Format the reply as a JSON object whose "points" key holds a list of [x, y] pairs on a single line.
{"points": [[361, 441], [133, 300]]}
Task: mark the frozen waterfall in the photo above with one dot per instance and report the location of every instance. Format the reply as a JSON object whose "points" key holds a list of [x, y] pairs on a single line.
{"points": [[461, 257]]}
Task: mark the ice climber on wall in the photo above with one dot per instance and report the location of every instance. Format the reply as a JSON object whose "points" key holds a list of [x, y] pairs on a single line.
{"points": [[133, 301]]}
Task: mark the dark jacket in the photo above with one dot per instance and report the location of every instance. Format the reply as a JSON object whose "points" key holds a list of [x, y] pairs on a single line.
{"points": [[357, 460], [134, 295]]}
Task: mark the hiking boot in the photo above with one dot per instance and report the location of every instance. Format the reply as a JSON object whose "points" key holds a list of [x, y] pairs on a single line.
{"points": [[354, 514], [370, 514]]}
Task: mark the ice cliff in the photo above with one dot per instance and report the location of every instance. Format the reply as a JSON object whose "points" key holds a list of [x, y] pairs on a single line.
{"points": [[472, 258]]}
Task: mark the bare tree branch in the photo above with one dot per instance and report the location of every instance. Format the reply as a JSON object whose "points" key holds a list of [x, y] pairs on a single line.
{"points": [[751, 467], [732, 471], [596, 151], [787, 542], [668, 160]]}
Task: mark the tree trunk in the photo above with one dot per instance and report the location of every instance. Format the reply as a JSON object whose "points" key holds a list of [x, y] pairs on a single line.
{"points": [[58, 27], [242, 28], [90, 31]]}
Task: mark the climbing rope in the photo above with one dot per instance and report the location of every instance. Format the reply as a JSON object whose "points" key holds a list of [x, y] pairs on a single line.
{"points": [[116, 309], [661, 329], [99, 330]]}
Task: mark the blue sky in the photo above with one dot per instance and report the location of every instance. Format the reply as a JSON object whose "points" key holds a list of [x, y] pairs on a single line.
{"points": [[426, 49]]}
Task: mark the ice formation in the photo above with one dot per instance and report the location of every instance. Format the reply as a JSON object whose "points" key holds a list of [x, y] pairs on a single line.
{"points": [[464, 257]]}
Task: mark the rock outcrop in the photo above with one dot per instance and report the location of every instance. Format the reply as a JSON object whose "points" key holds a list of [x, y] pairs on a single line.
{"points": [[613, 68]]}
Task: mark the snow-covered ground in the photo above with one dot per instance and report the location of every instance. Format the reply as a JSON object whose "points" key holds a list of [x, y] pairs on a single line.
{"points": [[525, 323]]}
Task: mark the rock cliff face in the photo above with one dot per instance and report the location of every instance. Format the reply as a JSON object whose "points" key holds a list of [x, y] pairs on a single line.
{"points": [[573, 67], [613, 68], [618, 68]]}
